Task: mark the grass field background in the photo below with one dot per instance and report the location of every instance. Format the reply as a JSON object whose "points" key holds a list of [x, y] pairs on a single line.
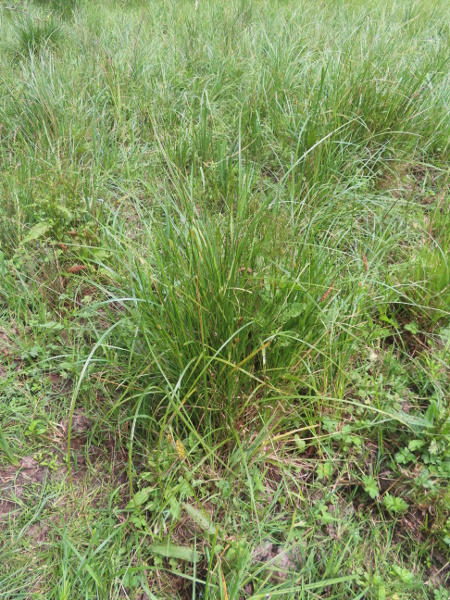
{"points": [[224, 299]]}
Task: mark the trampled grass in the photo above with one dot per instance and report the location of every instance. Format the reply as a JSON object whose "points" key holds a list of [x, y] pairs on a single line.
{"points": [[225, 298]]}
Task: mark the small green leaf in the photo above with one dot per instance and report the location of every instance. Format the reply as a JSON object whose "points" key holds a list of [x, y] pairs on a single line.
{"points": [[412, 327], [329, 424], [391, 321], [175, 508], [404, 456], [138, 521], [130, 580], [325, 470], [301, 444], [36, 232], [370, 486], [293, 311], [139, 498], [52, 325], [326, 517], [172, 551], [201, 519], [415, 445], [403, 574], [395, 505]]}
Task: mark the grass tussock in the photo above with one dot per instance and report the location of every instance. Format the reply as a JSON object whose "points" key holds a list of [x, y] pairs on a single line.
{"points": [[224, 300]]}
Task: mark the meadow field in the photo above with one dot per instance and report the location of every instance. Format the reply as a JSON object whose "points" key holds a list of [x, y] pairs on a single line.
{"points": [[225, 299]]}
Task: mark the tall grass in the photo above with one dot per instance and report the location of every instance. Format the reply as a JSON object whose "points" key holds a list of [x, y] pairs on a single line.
{"points": [[239, 212]]}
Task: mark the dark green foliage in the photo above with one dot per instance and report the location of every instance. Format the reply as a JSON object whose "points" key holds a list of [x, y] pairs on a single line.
{"points": [[33, 36]]}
